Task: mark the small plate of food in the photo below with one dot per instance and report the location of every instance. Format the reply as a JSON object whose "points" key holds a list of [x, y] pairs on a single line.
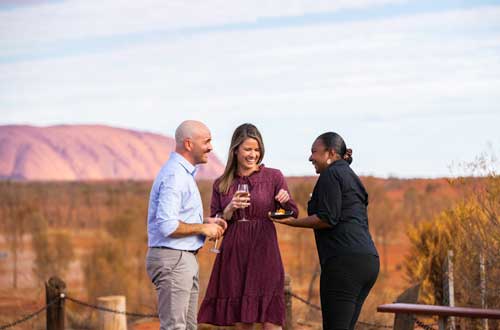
{"points": [[281, 214]]}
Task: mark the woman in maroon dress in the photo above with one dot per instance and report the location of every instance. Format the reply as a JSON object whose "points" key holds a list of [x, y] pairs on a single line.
{"points": [[247, 281]]}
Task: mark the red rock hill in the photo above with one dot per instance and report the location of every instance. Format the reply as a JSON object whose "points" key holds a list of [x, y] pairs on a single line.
{"points": [[86, 152]]}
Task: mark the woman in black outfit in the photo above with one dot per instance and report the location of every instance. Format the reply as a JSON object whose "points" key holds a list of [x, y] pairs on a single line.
{"points": [[337, 213]]}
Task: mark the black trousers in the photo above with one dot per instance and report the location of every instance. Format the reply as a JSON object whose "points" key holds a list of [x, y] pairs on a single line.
{"points": [[344, 285]]}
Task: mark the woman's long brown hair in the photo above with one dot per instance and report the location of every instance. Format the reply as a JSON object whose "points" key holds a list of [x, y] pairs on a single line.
{"points": [[241, 133]]}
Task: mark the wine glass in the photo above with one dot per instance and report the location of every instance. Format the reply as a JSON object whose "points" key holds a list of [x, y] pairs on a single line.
{"points": [[215, 249], [243, 191]]}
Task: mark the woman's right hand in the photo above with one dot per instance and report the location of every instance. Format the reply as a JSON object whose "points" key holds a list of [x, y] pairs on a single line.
{"points": [[240, 200]]}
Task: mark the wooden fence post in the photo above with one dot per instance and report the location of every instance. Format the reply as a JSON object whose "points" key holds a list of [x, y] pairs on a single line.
{"points": [[448, 292], [109, 320], [288, 303], [482, 271], [55, 312], [406, 321]]}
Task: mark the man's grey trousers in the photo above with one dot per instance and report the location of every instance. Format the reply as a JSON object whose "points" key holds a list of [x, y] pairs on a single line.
{"points": [[175, 276]]}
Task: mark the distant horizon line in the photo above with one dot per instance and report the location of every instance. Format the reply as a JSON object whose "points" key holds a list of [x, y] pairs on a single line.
{"points": [[292, 177], [216, 153]]}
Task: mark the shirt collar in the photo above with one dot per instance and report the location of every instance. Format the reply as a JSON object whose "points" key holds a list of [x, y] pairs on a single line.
{"points": [[339, 162], [190, 168]]}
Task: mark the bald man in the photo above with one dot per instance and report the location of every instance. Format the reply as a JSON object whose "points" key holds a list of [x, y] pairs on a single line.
{"points": [[177, 230]]}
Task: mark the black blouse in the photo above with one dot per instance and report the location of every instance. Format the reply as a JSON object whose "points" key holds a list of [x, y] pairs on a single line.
{"points": [[340, 199]]}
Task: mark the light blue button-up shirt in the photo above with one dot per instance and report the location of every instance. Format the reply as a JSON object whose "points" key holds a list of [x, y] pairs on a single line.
{"points": [[174, 197]]}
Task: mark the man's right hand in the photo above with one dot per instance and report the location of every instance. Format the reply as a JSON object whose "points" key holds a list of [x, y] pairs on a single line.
{"points": [[212, 230]]}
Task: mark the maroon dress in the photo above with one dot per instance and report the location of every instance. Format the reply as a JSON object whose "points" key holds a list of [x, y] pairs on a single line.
{"points": [[247, 280]]}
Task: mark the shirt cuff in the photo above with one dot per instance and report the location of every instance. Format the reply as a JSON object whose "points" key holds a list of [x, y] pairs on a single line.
{"points": [[325, 217], [168, 227]]}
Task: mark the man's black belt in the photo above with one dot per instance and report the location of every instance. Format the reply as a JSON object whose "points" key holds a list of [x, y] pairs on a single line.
{"points": [[195, 252]]}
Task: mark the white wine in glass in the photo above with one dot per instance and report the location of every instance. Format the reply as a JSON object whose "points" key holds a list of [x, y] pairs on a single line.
{"points": [[243, 191], [215, 249]]}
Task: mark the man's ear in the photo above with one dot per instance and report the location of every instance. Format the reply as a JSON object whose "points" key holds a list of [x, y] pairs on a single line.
{"points": [[188, 144]]}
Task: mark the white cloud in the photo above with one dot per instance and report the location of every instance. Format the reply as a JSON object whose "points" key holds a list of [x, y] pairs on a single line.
{"points": [[67, 20], [410, 81]]}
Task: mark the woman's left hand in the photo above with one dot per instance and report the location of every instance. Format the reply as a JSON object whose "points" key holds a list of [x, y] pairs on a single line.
{"points": [[282, 197]]}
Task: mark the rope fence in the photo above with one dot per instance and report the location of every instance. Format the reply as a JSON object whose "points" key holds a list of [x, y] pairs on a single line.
{"points": [[105, 309], [76, 301], [28, 317], [304, 301], [134, 314], [423, 325]]}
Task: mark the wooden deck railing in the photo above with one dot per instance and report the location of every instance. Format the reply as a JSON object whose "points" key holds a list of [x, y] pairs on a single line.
{"points": [[442, 312]]}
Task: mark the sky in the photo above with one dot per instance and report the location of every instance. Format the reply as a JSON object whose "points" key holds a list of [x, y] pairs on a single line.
{"points": [[412, 86]]}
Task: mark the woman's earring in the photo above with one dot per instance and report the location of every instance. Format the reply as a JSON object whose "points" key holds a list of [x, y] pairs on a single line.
{"points": [[328, 161]]}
